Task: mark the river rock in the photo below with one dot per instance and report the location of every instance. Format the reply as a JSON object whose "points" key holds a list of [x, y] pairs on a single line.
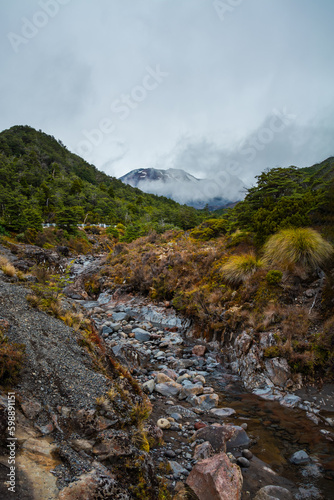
{"points": [[120, 316], [163, 423], [278, 371], [243, 462], [204, 402], [177, 469], [141, 335], [271, 492], [149, 386], [185, 412], [216, 478], [168, 388], [300, 458], [222, 412], [190, 390], [199, 350], [223, 437], [203, 451], [161, 378]]}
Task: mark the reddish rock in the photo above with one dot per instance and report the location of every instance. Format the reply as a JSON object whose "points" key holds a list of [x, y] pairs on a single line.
{"points": [[199, 350], [199, 425], [31, 409], [216, 478]]}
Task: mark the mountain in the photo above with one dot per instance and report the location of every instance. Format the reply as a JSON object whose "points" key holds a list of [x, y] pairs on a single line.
{"points": [[42, 181], [185, 188]]}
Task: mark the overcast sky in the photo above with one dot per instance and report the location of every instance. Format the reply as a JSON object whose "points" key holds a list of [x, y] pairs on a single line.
{"points": [[214, 87]]}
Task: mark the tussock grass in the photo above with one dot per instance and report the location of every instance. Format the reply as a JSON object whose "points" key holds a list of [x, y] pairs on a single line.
{"points": [[7, 267], [238, 268], [303, 247]]}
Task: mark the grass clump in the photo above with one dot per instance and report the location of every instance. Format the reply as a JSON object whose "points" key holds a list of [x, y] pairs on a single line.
{"points": [[238, 268], [6, 267], [302, 247]]}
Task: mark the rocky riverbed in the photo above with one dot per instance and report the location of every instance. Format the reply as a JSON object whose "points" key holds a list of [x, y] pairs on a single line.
{"points": [[208, 434], [204, 409]]}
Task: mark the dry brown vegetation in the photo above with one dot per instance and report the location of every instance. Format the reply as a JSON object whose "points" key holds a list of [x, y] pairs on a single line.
{"points": [[224, 289]]}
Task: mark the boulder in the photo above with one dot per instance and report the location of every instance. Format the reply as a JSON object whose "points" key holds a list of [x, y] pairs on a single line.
{"points": [[223, 437], [216, 478], [149, 386], [271, 492], [168, 388], [190, 390], [278, 371], [204, 402]]}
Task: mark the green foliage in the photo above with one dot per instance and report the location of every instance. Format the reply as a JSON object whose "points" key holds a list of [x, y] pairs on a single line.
{"points": [[40, 180], [210, 228], [11, 359], [302, 247], [274, 278], [238, 268]]}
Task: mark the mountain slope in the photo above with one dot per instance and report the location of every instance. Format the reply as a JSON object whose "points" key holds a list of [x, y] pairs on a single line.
{"points": [[40, 180], [185, 188]]}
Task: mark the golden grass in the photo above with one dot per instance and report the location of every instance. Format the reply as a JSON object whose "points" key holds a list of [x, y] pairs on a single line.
{"points": [[302, 247], [238, 268]]}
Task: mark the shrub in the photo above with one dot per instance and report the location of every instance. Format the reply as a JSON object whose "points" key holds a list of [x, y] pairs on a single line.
{"points": [[274, 277], [11, 358], [239, 268], [303, 247]]}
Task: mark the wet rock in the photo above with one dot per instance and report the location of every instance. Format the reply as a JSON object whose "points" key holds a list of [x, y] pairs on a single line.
{"points": [[163, 423], [247, 454], [271, 492], [222, 412], [223, 437], [168, 388], [216, 478], [243, 462], [278, 371], [300, 458], [199, 350], [203, 451]]}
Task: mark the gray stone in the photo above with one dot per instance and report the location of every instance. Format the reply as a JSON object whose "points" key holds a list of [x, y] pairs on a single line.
{"points": [[203, 451], [104, 298], [222, 412], [300, 458], [141, 335], [168, 389], [106, 330], [271, 492], [120, 316], [149, 386], [204, 402], [177, 468], [243, 462], [278, 371], [190, 390]]}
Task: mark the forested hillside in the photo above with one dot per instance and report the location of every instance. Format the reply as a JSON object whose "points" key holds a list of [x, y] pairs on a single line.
{"points": [[41, 181]]}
